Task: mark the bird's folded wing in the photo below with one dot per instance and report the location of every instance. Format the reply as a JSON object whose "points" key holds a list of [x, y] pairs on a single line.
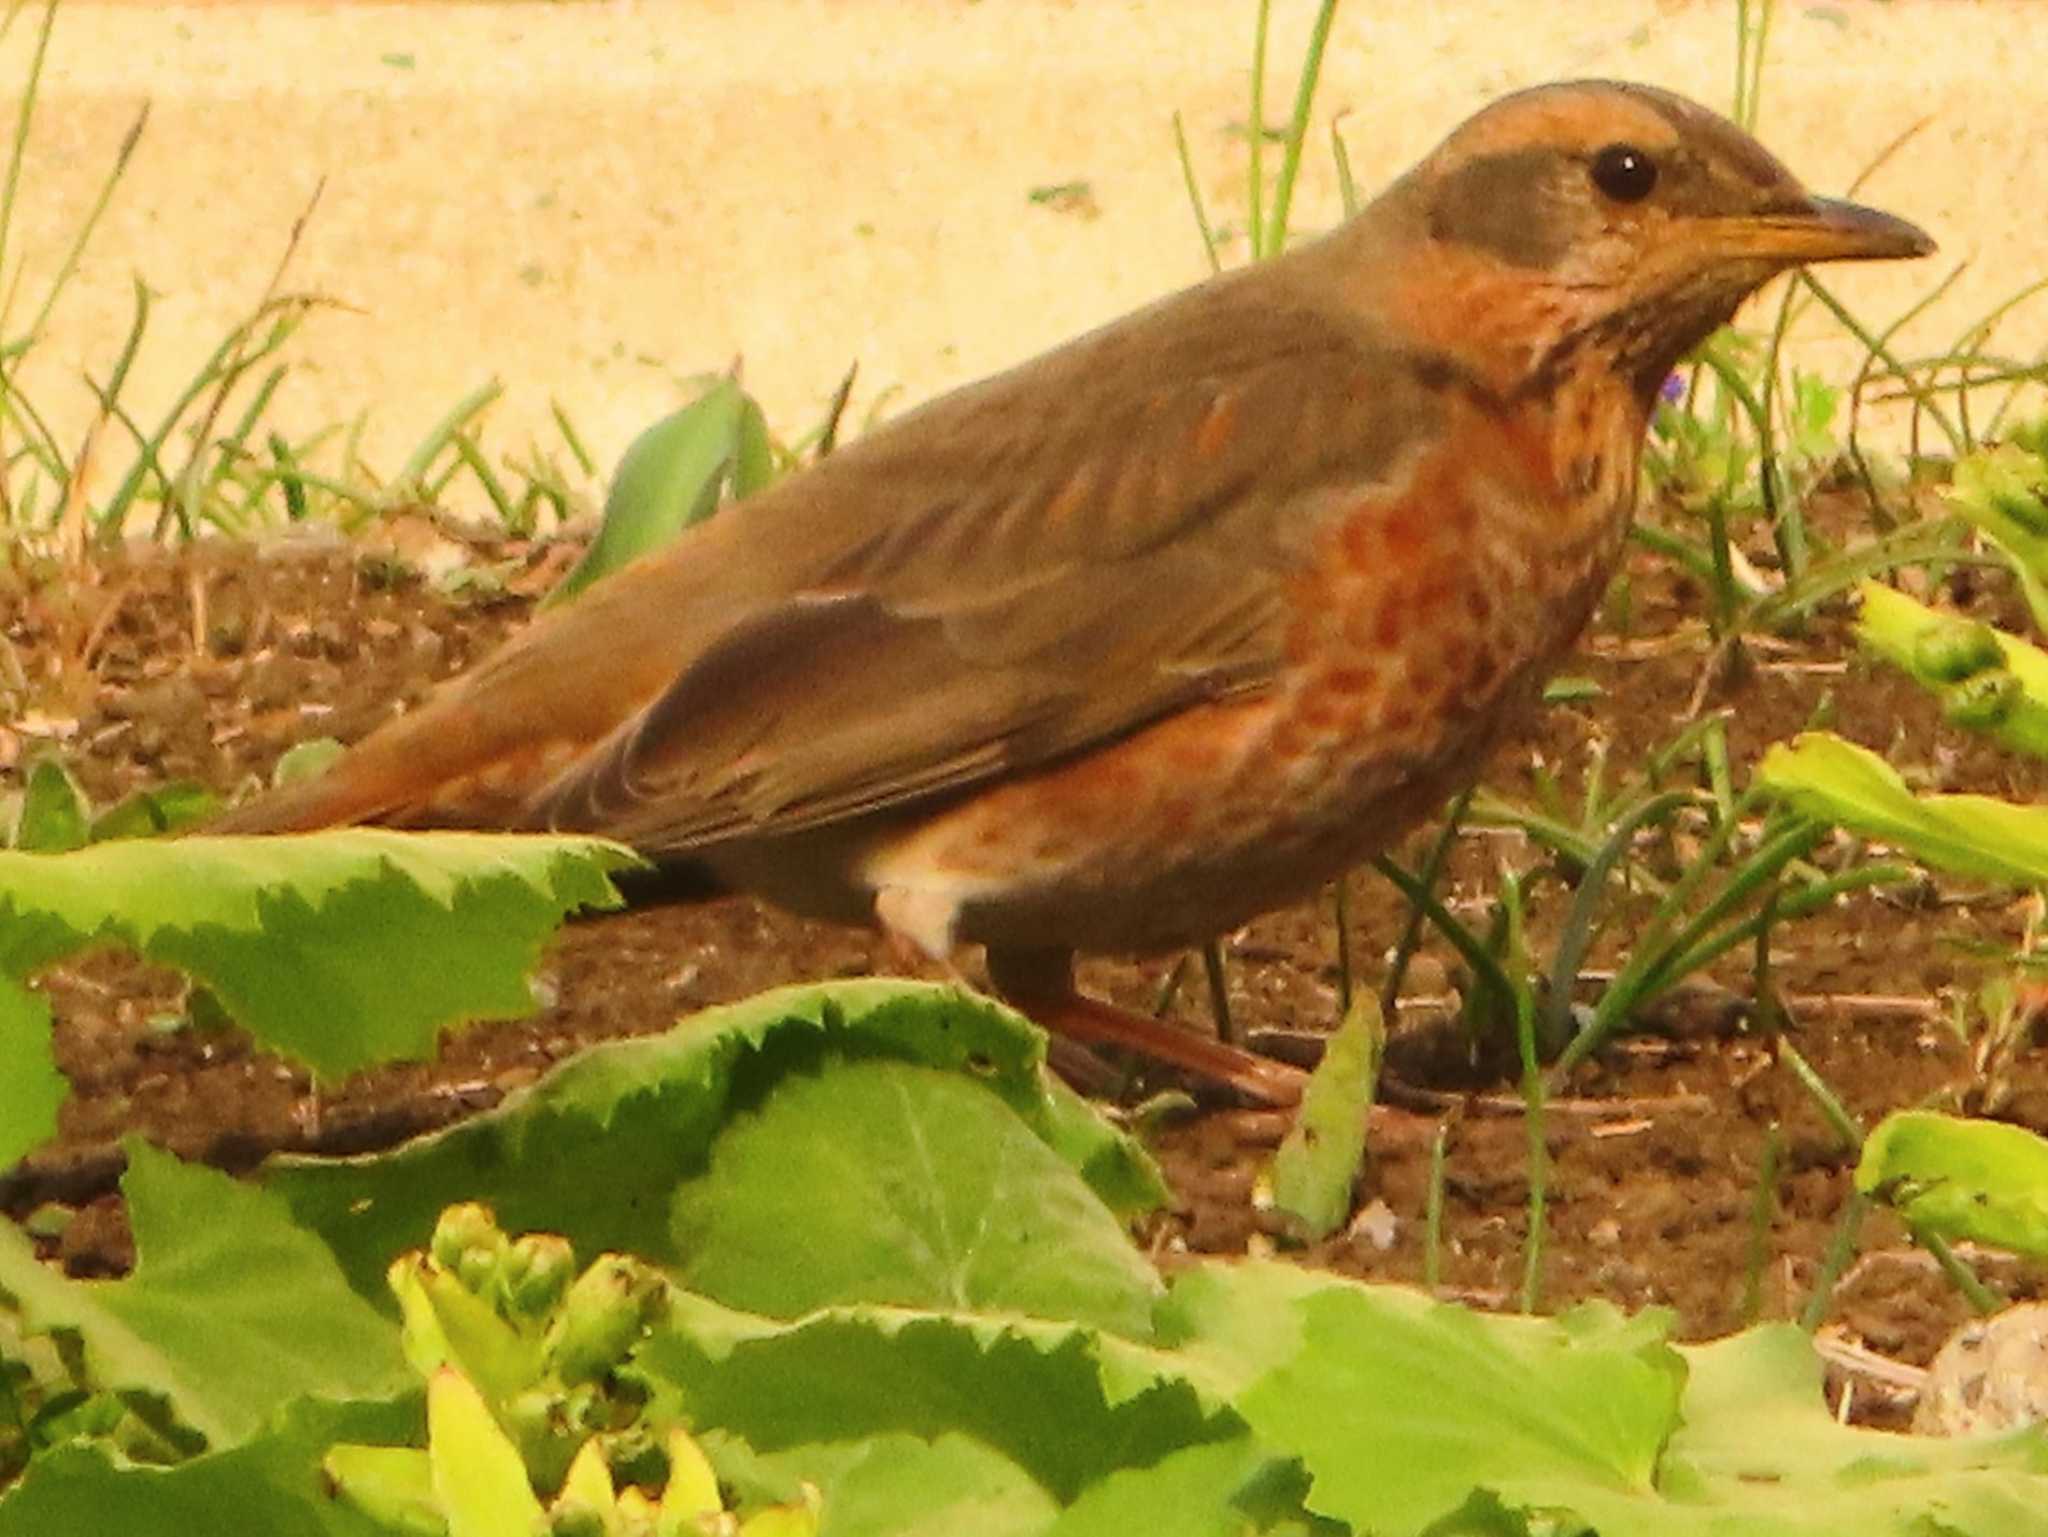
{"points": [[1021, 574]]}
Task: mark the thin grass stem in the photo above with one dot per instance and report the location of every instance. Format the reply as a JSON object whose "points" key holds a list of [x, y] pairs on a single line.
{"points": [[1297, 127], [1255, 136], [1187, 176]]}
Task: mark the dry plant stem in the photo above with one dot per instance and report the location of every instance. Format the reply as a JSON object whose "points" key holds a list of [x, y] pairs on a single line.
{"points": [[95, 637], [235, 364], [1637, 1106], [835, 412], [1892, 1382]]}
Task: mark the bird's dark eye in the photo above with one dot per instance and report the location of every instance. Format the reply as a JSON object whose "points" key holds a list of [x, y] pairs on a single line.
{"points": [[1624, 173]]}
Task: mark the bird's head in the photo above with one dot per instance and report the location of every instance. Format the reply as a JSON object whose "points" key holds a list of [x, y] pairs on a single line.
{"points": [[1611, 213]]}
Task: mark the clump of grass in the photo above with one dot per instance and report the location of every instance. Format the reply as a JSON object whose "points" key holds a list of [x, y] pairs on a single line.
{"points": [[214, 460]]}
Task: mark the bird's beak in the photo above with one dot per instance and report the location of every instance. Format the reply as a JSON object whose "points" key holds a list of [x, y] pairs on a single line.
{"points": [[1820, 229]]}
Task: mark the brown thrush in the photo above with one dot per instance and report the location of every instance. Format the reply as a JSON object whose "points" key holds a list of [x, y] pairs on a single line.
{"points": [[1169, 626]]}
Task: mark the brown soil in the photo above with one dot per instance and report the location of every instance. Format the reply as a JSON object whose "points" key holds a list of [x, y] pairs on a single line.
{"points": [[207, 664]]}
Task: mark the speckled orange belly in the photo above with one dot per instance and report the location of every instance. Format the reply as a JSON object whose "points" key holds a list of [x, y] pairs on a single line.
{"points": [[1420, 629]]}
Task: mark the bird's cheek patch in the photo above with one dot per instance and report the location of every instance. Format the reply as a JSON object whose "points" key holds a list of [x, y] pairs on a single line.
{"points": [[1495, 203]]}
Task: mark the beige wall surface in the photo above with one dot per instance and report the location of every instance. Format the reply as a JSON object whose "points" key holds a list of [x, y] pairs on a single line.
{"points": [[594, 201]]}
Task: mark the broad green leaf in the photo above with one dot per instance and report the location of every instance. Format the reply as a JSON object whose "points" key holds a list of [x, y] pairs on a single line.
{"points": [[1221, 1489], [1759, 1452], [781, 1521], [1225, 1325], [390, 1485], [338, 949], [1976, 835], [596, 1149], [1067, 1403], [1400, 1407], [897, 1485], [1417, 1417], [31, 1088], [1317, 1167], [670, 477], [271, 1484], [897, 1183], [232, 1310], [1963, 1179]]}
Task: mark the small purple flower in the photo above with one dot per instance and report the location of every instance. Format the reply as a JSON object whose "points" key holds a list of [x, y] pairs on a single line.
{"points": [[1673, 388]]}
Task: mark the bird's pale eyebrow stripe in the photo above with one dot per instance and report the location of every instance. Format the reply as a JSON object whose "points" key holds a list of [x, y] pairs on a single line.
{"points": [[1493, 203]]}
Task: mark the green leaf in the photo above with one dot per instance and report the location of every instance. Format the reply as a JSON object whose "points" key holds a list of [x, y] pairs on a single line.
{"points": [[151, 813], [670, 477], [1976, 835], [31, 1088], [232, 1310], [54, 814], [1418, 1417], [337, 949], [271, 1484], [596, 1149], [898, 1485], [1317, 1167], [305, 760], [1569, 690], [478, 1476], [1963, 1179], [1066, 1403], [1537, 1409], [754, 461], [1758, 1452], [897, 1183], [1222, 1489], [392, 1486]]}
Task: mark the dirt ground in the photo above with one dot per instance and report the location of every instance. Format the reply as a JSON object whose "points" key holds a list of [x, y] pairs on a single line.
{"points": [[209, 663]]}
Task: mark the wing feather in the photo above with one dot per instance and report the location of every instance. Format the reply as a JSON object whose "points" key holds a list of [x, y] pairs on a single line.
{"points": [[1024, 589]]}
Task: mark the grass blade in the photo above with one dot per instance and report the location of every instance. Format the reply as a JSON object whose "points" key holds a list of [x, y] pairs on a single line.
{"points": [[1255, 136], [1187, 176], [1297, 127]]}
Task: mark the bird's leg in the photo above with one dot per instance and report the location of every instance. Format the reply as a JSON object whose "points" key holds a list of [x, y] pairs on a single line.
{"points": [[1041, 984]]}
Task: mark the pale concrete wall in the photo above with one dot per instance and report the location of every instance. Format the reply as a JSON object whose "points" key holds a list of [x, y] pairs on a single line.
{"points": [[589, 200]]}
